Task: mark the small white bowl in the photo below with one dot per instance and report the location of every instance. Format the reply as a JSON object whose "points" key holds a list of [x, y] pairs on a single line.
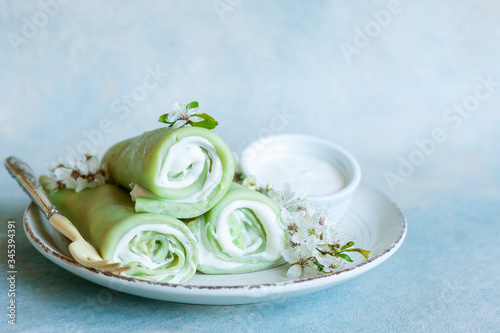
{"points": [[336, 202]]}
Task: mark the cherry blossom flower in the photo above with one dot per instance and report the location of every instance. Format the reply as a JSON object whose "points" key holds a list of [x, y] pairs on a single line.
{"points": [[284, 198], [76, 173], [309, 231], [313, 244], [250, 183], [187, 115], [181, 115], [299, 257]]}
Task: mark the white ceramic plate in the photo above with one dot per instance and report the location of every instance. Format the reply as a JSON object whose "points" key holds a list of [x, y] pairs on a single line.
{"points": [[373, 222]]}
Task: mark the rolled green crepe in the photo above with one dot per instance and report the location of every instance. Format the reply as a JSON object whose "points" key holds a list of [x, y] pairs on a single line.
{"points": [[157, 247], [182, 173], [242, 233]]}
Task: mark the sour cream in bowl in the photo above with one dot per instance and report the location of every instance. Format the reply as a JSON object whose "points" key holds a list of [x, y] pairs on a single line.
{"points": [[327, 173]]}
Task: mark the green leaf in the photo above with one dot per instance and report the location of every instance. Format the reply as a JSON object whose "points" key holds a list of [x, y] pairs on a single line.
{"points": [[345, 257], [347, 245], [162, 118], [208, 122], [192, 105], [322, 252], [365, 253]]}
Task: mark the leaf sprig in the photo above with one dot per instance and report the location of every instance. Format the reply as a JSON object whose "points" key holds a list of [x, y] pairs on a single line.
{"points": [[188, 115], [336, 250]]}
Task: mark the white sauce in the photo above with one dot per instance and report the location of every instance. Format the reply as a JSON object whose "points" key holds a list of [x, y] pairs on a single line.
{"points": [[303, 172], [188, 152]]}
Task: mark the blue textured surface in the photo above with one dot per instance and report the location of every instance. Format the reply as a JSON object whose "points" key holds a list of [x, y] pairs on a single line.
{"points": [[246, 62]]}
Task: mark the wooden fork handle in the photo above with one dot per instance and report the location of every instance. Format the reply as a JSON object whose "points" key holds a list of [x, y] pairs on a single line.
{"points": [[65, 227], [21, 172]]}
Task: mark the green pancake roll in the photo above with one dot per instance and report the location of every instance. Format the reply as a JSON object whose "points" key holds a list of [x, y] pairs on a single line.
{"points": [[156, 247], [182, 173], [242, 233]]}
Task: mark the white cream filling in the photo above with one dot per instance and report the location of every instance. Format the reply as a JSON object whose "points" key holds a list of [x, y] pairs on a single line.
{"points": [[185, 153], [207, 258], [267, 218], [124, 255], [252, 237]]}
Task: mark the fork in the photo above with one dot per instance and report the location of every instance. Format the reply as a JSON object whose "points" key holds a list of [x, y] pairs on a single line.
{"points": [[82, 251]]}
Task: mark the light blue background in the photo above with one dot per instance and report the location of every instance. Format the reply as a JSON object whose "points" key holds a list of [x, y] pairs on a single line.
{"points": [[245, 61]]}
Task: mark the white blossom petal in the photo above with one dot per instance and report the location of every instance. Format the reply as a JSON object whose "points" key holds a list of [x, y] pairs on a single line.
{"points": [[193, 111], [173, 117], [179, 107], [70, 183], [81, 184], [195, 119], [50, 183], [62, 173], [92, 152], [290, 255], [325, 260], [71, 162], [93, 164], [312, 246], [309, 271], [58, 162], [98, 181], [82, 167], [250, 183], [178, 123], [294, 272]]}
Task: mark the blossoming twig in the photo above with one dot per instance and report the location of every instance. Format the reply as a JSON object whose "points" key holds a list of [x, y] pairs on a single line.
{"points": [[76, 173], [188, 115], [312, 243]]}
